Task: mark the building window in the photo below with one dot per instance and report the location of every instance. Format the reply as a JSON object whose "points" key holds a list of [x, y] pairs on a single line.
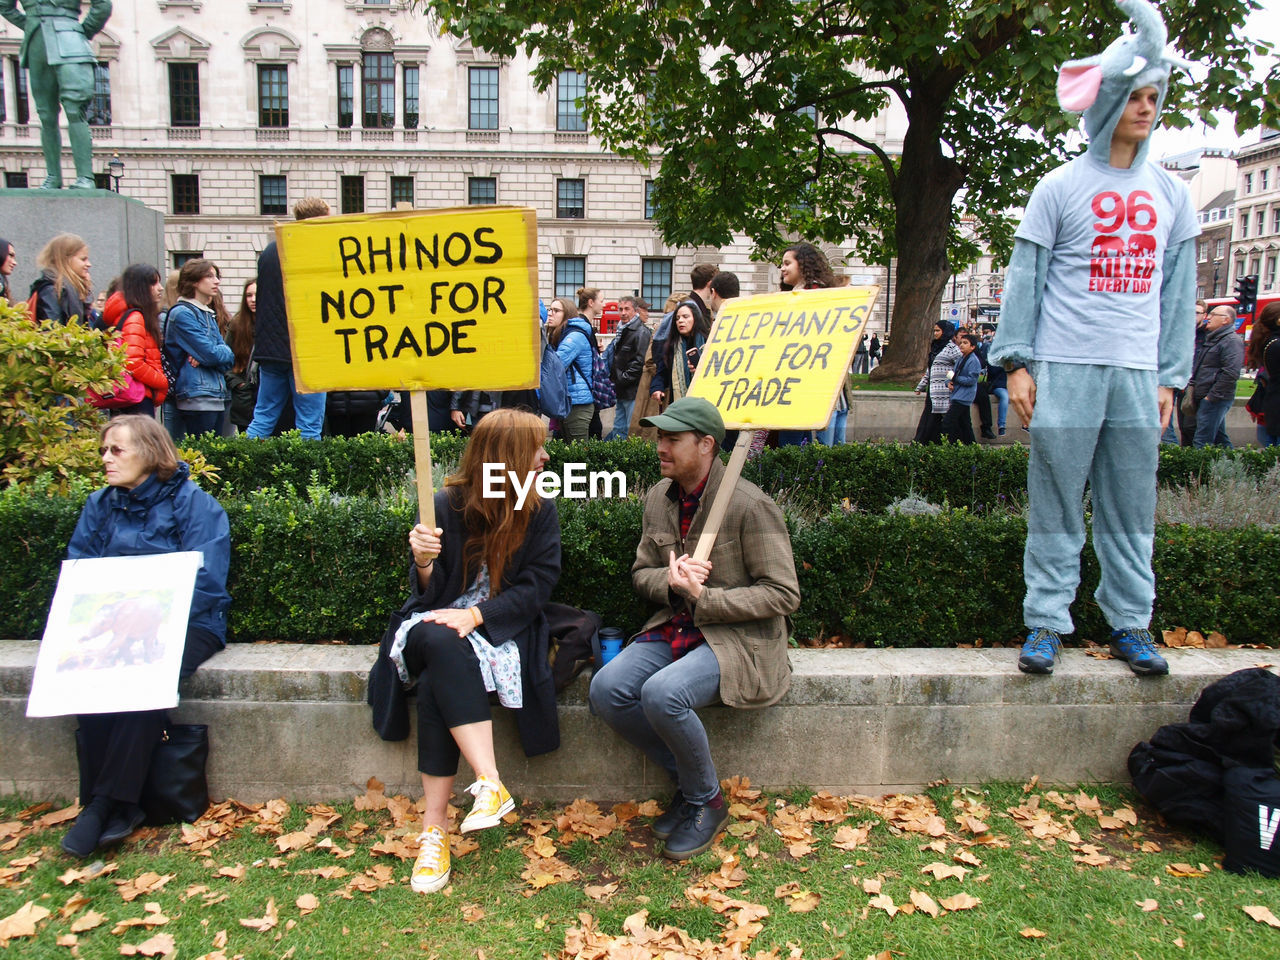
{"points": [[482, 190], [1260, 222], [346, 95], [655, 280], [1202, 250], [1275, 220], [378, 91], [16, 181], [1255, 266], [401, 191], [571, 273], [98, 110], [21, 105], [186, 194], [184, 95], [1200, 294], [274, 195], [1239, 269], [1269, 280], [1244, 226], [102, 181], [571, 199], [1248, 183], [1264, 181], [649, 208], [1219, 248], [411, 98], [482, 98], [571, 87], [273, 95], [352, 194], [181, 257]]}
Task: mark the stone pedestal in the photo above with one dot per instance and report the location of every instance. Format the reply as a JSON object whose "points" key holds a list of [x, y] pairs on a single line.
{"points": [[118, 230]]}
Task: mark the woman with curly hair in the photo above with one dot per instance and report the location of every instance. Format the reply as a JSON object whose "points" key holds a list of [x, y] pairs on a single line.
{"points": [[805, 267], [1263, 354]]}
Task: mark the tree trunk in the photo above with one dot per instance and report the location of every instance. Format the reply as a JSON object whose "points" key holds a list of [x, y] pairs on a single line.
{"points": [[926, 185]]}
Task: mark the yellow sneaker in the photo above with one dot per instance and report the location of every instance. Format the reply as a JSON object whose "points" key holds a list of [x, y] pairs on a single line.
{"points": [[431, 869], [492, 803]]}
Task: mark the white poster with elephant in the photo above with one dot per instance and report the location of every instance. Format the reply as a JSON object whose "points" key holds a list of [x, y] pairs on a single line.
{"points": [[115, 634]]}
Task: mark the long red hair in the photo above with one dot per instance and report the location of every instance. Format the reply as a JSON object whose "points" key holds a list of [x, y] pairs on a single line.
{"points": [[495, 528]]}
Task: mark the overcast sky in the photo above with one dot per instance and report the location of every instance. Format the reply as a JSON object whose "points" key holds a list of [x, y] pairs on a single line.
{"points": [[1263, 25]]}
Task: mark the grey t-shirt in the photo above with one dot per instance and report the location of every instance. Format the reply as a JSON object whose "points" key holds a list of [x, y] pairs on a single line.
{"points": [[1107, 231]]}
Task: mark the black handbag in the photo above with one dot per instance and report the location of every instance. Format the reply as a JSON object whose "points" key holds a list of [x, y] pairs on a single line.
{"points": [[176, 788]]}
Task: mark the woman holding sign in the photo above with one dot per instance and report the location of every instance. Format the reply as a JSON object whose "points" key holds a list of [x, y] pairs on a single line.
{"points": [[677, 358], [149, 506], [474, 625]]}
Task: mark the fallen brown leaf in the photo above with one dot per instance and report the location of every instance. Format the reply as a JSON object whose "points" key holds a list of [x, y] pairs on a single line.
{"points": [[961, 901], [161, 945], [87, 922], [883, 902], [264, 923], [601, 892], [1147, 905], [924, 903], [1031, 933], [306, 903], [1184, 870], [1262, 915], [22, 922], [74, 903], [151, 918], [299, 840], [472, 912]]}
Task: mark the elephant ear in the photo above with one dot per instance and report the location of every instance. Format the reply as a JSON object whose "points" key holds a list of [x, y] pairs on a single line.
{"points": [[1078, 84]]}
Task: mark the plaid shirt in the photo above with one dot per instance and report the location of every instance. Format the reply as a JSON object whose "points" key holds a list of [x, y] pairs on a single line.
{"points": [[679, 631]]}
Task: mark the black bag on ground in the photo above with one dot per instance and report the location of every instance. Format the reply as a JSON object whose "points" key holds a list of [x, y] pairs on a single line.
{"points": [[177, 789], [574, 636], [1234, 722], [1252, 801]]}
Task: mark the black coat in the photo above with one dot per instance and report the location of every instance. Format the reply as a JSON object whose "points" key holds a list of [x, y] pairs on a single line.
{"points": [[271, 327], [515, 613], [1234, 723], [1218, 367], [58, 307], [628, 358]]}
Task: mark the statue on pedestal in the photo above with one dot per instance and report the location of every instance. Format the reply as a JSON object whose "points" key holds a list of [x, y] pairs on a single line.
{"points": [[60, 62]]}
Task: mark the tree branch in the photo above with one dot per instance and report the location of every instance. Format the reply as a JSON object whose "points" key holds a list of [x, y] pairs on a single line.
{"points": [[886, 161]]}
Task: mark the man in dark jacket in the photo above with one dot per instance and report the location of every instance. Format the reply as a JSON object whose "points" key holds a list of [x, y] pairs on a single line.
{"points": [[629, 350], [271, 346], [1215, 376]]}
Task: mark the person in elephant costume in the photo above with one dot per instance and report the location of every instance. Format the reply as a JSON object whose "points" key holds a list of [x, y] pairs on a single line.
{"points": [[1096, 332], [60, 61]]}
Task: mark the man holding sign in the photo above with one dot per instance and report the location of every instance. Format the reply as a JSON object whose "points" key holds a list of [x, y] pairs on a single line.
{"points": [[719, 626]]}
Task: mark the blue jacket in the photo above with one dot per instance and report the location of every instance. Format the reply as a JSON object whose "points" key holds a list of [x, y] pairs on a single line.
{"points": [[163, 516], [575, 351], [966, 379], [192, 330]]}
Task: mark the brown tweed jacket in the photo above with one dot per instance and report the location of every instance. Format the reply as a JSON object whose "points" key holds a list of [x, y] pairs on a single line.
{"points": [[744, 607]]}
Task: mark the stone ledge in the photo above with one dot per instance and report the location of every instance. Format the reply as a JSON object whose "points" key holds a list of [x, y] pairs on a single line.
{"points": [[290, 720]]}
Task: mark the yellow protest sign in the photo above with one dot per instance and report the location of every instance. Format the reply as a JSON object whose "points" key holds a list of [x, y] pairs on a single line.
{"points": [[778, 360], [413, 300]]}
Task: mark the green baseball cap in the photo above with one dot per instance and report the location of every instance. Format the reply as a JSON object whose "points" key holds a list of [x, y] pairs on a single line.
{"points": [[689, 413]]}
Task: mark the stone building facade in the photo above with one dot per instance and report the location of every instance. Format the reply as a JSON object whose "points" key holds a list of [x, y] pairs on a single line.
{"points": [[226, 113], [1255, 242]]}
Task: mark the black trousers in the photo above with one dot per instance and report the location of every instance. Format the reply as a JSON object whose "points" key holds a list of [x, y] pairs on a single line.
{"points": [[983, 402], [450, 693], [116, 748], [957, 423]]}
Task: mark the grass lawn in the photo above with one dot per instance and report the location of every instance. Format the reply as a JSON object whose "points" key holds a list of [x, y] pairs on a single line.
{"points": [[1006, 871]]}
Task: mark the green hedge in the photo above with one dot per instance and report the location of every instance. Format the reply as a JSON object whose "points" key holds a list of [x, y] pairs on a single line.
{"points": [[324, 566], [870, 476]]}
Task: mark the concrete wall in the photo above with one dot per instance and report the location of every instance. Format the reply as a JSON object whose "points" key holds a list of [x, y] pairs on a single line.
{"points": [[118, 230], [291, 721]]}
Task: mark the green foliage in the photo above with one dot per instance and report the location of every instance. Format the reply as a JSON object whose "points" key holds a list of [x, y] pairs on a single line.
{"points": [[35, 528], [762, 111], [46, 428]]}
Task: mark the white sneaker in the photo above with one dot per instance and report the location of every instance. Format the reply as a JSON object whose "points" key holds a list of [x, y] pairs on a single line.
{"points": [[431, 869], [492, 804]]}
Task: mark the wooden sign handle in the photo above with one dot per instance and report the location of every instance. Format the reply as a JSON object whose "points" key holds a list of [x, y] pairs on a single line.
{"points": [[422, 458], [707, 539]]}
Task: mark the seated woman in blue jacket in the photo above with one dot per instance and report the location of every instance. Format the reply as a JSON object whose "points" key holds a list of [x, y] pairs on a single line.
{"points": [[474, 624], [149, 506], [197, 353]]}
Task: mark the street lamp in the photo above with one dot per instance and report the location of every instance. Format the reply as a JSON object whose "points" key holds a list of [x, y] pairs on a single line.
{"points": [[115, 169]]}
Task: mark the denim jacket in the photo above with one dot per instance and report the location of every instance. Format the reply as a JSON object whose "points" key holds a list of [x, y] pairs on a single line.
{"points": [[192, 330]]}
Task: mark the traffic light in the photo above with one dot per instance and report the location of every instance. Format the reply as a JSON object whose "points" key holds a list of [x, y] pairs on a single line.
{"points": [[1247, 294]]}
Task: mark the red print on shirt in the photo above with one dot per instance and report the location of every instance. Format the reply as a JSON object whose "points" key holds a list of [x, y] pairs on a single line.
{"points": [[1116, 266]]}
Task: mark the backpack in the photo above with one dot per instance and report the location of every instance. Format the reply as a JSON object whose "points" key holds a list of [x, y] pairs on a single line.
{"points": [[127, 393], [602, 391], [553, 384]]}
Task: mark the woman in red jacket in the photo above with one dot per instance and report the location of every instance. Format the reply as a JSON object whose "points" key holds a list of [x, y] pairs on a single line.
{"points": [[141, 293]]}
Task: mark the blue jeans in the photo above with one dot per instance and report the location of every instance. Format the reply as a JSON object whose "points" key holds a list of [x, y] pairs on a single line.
{"points": [[275, 387], [650, 699], [193, 423], [834, 431], [1002, 405], [1266, 439], [1211, 419], [622, 419]]}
